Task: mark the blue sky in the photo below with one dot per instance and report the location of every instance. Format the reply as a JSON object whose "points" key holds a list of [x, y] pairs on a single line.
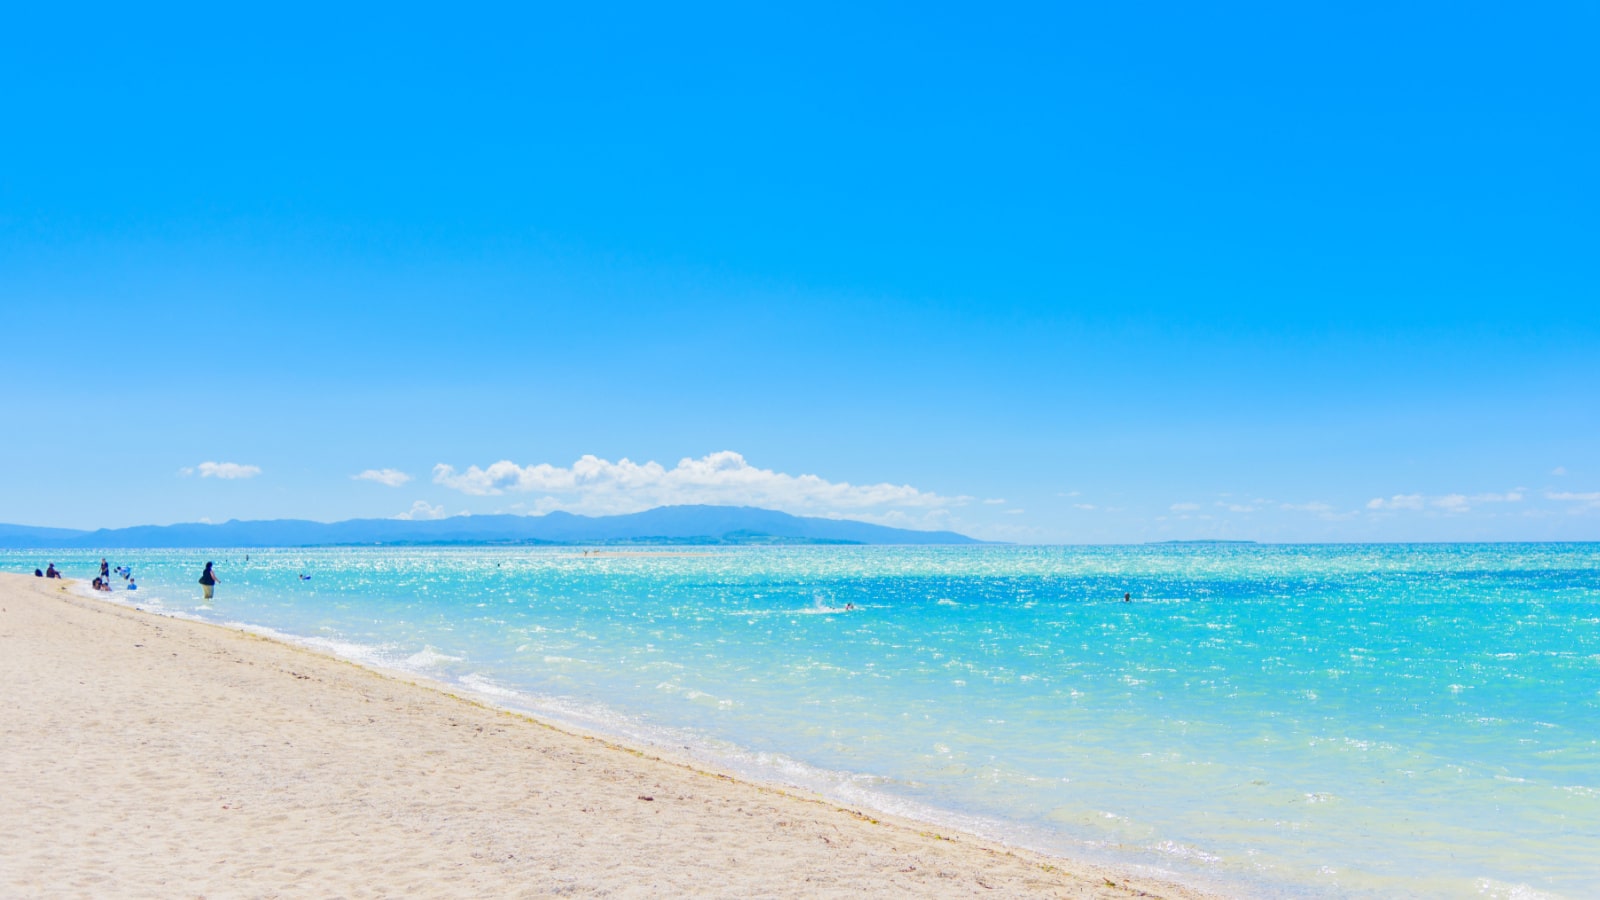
{"points": [[1030, 272]]}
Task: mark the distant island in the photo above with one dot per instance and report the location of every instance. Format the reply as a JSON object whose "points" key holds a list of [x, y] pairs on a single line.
{"points": [[1203, 541], [681, 525]]}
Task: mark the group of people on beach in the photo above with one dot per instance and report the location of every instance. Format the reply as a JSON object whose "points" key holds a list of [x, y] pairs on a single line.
{"points": [[102, 582]]}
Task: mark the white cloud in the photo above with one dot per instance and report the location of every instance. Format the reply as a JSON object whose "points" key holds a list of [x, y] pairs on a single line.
{"points": [[1398, 501], [1184, 507], [390, 477], [1237, 507], [595, 485], [994, 501], [1451, 503], [1572, 497], [220, 470], [1015, 512], [420, 510], [1312, 507], [1559, 470], [1321, 510], [1083, 506]]}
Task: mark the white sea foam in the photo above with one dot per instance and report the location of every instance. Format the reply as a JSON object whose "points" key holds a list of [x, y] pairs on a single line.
{"points": [[429, 658]]}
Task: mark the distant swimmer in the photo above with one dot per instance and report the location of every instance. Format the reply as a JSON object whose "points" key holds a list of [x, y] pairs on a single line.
{"points": [[1127, 598], [304, 577], [208, 580], [849, 606]]}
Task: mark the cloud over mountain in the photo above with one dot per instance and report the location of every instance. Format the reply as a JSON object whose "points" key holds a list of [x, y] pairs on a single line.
{"points": [[595, 485]]}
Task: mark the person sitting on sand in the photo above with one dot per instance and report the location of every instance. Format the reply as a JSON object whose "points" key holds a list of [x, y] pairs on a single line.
{"points": [[208, 580], [50, 571]]}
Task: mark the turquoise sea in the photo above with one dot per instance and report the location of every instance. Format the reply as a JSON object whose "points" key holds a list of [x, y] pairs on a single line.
{"points": [[1366, 720]]}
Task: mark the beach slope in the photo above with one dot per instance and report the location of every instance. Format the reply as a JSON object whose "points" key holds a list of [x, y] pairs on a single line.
{"points": [[148, 756]]}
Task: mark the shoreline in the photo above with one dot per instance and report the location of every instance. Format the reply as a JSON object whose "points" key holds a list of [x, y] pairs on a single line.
{"points": [[235, 762]]}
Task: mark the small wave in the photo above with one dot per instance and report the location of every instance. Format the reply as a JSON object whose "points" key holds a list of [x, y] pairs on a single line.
{"points": [[485, 685], [429, 658], [1500, 890], [1184, 851]]}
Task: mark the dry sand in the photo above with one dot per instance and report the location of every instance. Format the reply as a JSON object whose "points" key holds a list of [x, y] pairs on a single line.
{"points": [[145, 756]]}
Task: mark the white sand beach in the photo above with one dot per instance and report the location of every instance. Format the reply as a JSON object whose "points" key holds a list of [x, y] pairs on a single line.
{"points": [[147, 756]]}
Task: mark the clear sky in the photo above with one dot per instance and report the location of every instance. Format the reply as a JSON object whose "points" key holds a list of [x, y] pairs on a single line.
{"points": [[1104, 273]]}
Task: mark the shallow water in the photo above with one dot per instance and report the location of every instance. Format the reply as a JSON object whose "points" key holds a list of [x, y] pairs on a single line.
{"points": [[1383, 720]]}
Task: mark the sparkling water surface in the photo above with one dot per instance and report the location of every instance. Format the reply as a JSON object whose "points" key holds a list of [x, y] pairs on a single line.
{"points": [[1373, 720]]}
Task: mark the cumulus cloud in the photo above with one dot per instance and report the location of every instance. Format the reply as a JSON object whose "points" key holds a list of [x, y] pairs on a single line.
{"points": [[390, 477], [420, 510], [220, 470], [597, 485]]}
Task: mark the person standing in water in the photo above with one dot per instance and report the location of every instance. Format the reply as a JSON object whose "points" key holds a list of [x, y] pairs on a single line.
{"points": [[208, 580]]}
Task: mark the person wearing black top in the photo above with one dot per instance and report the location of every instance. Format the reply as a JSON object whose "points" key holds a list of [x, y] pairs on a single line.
{"points": [[208, 580]]}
